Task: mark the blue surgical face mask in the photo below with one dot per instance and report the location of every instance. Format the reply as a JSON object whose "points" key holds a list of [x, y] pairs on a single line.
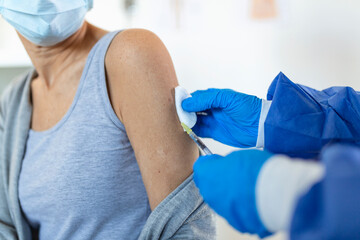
{"points": [[45, 22]]}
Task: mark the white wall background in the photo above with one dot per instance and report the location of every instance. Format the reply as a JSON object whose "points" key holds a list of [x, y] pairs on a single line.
{"points": [[216, 44]]}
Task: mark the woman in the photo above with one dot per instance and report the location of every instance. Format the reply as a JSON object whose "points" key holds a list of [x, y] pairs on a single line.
{"points": [[70, 131]]}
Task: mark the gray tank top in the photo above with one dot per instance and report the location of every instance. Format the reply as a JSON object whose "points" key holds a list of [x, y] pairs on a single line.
{"points": [[80, 179]]}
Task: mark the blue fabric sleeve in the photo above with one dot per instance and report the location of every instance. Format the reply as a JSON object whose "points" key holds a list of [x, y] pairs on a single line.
{"points": [[331, 209], [302, 120]]}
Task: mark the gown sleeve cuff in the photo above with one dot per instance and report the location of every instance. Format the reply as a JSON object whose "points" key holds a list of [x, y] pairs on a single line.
{"points": [[281, 182], [265, 107]]}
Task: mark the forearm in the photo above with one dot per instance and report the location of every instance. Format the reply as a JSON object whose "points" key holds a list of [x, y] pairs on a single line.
{"points": [[330, 210], [312, 200], [280, 184]]}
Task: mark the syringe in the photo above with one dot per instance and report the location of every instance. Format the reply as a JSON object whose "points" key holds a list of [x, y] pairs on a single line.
{"points": [[197, 140]]}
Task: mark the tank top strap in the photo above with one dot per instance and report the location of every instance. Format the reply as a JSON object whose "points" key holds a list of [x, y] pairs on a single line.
{"points": [[94, 92], [102, 46]]}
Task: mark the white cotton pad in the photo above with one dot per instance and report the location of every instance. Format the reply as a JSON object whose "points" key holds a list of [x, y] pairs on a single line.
{"points": [[185, 117]]}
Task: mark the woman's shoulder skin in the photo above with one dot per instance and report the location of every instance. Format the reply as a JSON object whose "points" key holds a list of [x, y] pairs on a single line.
{"points": [[141, 81]]}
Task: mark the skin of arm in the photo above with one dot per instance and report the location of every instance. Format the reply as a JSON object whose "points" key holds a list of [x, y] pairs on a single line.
{"points": [[141, 81]]}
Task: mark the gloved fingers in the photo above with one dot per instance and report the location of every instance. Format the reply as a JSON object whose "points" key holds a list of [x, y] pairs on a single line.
{"points": [[209, 127], [203, 100], [250, 154], [203, 126], [204, 168], [206, 159], [213, 169]]}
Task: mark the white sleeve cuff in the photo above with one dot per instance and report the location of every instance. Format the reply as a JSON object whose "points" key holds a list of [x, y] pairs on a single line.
{"points": [[265, 107], [281, 182]]}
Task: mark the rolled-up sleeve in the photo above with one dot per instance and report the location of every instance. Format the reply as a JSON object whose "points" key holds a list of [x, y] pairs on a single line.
{"points": [[182, 215]]}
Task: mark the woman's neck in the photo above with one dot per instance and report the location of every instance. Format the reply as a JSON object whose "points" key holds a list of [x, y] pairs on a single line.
{"points": [[50, 62]]}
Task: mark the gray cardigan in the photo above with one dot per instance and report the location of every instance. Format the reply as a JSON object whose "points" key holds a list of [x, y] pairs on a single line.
{"points": [[182, 215]]}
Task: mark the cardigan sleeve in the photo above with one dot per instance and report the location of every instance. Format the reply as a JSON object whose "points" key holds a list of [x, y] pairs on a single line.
{"points": [[182, 215], [7, 228]]}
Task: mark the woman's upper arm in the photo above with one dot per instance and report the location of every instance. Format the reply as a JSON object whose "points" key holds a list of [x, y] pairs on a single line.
{"points": [[141, 82]]}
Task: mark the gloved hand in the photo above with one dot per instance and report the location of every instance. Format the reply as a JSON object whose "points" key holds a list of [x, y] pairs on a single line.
{"points": [[231, 117], [228, 183]]}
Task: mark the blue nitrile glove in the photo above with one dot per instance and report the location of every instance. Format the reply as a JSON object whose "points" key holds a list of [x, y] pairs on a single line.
{"points": [[232, 117], [228, 183]]}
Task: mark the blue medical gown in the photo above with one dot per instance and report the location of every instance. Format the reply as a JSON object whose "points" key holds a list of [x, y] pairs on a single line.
{"points": [[331, 209], [301, 120]]}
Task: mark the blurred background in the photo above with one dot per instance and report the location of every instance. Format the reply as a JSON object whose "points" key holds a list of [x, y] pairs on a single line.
{"points": [[238, 44]]}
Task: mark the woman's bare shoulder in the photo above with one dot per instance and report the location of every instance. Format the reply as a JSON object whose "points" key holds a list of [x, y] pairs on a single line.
{"points": [[137, 51], [137, 44], [137, 60]]}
